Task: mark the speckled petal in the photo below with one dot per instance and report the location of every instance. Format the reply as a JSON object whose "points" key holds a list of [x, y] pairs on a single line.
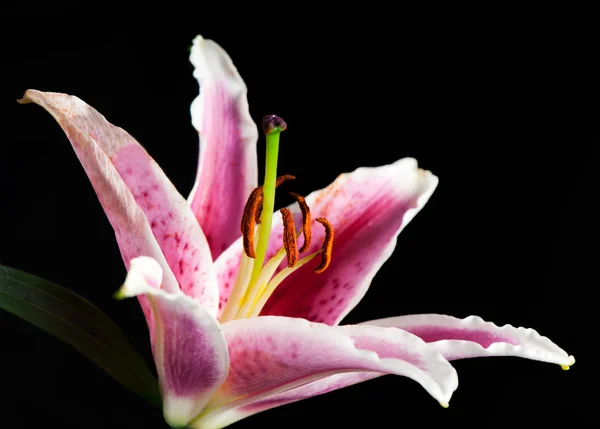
{"points": [[227, 167], [454, 338], [189, 349], [270, 355], [473, 337], [148, 215], [368, 209]]}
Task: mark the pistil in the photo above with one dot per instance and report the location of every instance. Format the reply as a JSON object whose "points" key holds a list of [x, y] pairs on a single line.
{"points": [[272, 126], [255, 281]]}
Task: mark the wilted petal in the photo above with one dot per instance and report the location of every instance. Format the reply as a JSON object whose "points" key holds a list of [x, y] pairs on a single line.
{"points": [[189, 349], [368, 209], [227, 168], [473, 337], [270, 355], [142, 205]]}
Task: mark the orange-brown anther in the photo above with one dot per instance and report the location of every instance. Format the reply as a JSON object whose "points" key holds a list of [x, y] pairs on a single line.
{"points": [[327, 245], [278, 182], [306, 220], [248, 220], [289, 237], [252, 212], [284, 178]]}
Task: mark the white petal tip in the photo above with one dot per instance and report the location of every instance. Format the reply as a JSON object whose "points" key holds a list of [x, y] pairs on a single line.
{"points": [[198, 39], [144, 275], [178, 412], [444, 404], [569, 364]]}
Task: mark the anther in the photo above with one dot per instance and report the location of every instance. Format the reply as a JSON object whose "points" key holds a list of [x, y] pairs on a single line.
{"points": [[252, 212], [279, 181], [284, 178], [273, 123], [327, 245], [306, 220], [289, 237], [248, 220]]}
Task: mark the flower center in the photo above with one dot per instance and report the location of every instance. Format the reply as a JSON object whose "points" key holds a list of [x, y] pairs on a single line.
{"points": [[255, 281]]}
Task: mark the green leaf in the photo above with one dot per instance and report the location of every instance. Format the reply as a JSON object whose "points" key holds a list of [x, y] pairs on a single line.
{"points": [[76, 321]]}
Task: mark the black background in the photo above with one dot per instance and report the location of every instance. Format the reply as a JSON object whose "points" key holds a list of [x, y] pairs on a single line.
{"points": [[508, 123]]}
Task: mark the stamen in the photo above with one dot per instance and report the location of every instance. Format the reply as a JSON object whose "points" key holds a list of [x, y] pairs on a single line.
{"points": [[252, 212], [289, 237], [268, 290], [249, 220], [239, 288], [256, 289], [306, 219], [327, 245], [279, 181], [264, 292]]}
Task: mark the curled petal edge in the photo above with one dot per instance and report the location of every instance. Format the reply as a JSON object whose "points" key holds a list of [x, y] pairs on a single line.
{"points": [[189, 350]]}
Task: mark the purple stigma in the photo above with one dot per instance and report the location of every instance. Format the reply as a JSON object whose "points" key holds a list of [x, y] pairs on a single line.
{"points": [[273, 123]]}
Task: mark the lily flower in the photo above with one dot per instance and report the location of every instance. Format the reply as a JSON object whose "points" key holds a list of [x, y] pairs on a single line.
{"points": [[239, 321]]}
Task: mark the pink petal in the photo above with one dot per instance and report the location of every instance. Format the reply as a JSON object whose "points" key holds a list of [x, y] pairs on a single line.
{"points": [[270, 355], [473, 337], [189, 349], [147, 213], [368, 209], [454, 338], [315, 388], [227, 169]]}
